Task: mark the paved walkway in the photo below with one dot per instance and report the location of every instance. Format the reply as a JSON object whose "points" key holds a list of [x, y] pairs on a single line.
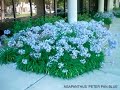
{"points": [[109, 75]]}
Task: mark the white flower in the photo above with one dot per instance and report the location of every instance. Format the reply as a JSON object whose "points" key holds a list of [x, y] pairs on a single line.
{"points": [[54, 58], [88, 55], [83, 61], [37, 55], [60, 65], [21, 51], [6, 32], [11, 43], [24, 61], [65, 71], [74, 54], [19, 44], [37, 48], [49, 64]]}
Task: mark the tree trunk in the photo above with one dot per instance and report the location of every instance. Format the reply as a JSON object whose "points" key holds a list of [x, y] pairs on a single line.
{"points": [[55, 7], [40, 7], [2, 10]]}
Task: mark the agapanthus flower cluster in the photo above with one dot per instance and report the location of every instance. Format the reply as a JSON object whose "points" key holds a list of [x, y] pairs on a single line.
{"points": [[35, 55], [63, 37], [24, 61], [109, 15], [7, 32], [3, 40], [21, 51]]}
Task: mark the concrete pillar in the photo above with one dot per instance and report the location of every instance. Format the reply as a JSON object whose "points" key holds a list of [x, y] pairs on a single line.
{"points": [[72, 11], [116, 3], [110, 5], [101, 6]]}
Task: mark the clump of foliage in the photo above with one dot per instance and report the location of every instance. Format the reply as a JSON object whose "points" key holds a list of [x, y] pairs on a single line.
{"points": [[84, 17], [5, 25], [106, 17], [116, 12], [7, 54], [24, 24], [16, 26]]}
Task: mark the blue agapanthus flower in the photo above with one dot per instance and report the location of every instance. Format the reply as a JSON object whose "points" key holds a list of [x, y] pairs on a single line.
{"points": [[7, 32]]}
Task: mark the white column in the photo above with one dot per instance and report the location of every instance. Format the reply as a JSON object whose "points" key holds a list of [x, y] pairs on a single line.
{"points": [[101, 6], [72, 11], [116, 3], [110, 5]]}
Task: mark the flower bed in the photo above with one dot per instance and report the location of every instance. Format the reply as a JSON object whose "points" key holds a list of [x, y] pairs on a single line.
{"points": [[61, 49]]}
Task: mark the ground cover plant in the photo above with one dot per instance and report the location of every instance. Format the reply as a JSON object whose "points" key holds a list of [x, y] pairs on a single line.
{"points": [[84, 17], [61, 49]]}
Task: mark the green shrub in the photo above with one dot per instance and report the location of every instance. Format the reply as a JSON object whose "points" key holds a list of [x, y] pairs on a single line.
{"points": [[84, 17], [117, 12], [20, 25], [7, 55], [73, 65], [16, 26], [106, 17], [107, 21], [6, 25]]}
